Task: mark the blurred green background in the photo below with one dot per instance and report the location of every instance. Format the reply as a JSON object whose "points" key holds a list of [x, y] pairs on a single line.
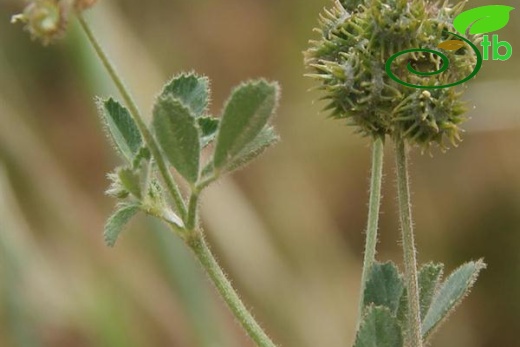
{"points": [[288, 229]]}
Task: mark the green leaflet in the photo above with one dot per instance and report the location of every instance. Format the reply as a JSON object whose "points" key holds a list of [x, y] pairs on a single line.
{"points": [[208, 129], [121, 127], [117, 221], [384, 287], [266, 138], [379, 328], [483, 19], [177, 133], [245, 115], [451, 293], [429, 278], [191, 89], [130, 180]]}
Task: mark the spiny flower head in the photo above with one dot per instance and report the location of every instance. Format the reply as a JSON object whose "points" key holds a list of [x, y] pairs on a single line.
{"points": [[356, 40]]}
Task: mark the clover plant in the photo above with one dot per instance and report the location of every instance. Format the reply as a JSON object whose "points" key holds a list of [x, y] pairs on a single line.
{"points": [[348, 58]]}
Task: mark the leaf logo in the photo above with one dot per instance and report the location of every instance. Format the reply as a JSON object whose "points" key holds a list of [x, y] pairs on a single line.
{"points": [[482, 20]]}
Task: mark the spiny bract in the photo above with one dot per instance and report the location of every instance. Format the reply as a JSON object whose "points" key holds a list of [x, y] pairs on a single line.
{"points": [[358, 37]]}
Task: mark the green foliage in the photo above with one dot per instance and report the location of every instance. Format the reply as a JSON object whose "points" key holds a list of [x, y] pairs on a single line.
{"points": [[180, 130], [429, 277], [266, 138], [245, 115], [384, 287], [208, 128], [177, 133], [482, 19], [121, 128], [191, 89], [379, 328], [117, 222], [130, 180], [451, 293]]}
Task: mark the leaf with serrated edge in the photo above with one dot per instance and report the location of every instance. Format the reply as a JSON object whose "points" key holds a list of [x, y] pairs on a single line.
{"points": [[384, 286], [245, 115], [178, 136], [450, 294], [191, 89], [379, 328], [117, 222], [253, 149], [121, 128]]}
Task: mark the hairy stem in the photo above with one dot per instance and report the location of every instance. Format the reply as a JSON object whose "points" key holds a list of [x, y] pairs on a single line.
{"points": [[136, 115], [414, 337], [195, 238], [226, 290], [191, 223], [373, 217]]}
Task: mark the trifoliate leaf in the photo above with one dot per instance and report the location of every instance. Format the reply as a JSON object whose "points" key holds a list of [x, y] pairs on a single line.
{"points": [[121, 127], [451, 293], [379, 328], [117, 222], [384, 287], [176, 131], [483, 19], [191, 89], [208, 128], [253, 149], [245, 115]]}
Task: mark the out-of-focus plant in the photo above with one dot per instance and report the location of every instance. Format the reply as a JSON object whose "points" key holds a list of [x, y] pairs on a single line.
{"points": [[182, 137], [348, 59]]}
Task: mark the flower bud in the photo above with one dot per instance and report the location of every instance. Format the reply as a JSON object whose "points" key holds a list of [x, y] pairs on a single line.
{"points": [[46, 20]]}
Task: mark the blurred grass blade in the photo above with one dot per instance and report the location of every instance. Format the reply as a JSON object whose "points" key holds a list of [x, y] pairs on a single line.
{"points": [[177, 134], [245, 115], [117, 222], [121, 127], [188, 282], [191, 89], [451, 293]]}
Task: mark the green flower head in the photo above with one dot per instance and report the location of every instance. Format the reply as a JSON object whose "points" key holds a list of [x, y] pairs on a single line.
{"points": [[356, 40]]}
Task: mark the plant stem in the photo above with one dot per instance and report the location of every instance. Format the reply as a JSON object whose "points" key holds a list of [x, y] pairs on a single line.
{"points": [[136, 115], [195, 239], [405, 215], [192, 211], [373, 217], [224, 287]]}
